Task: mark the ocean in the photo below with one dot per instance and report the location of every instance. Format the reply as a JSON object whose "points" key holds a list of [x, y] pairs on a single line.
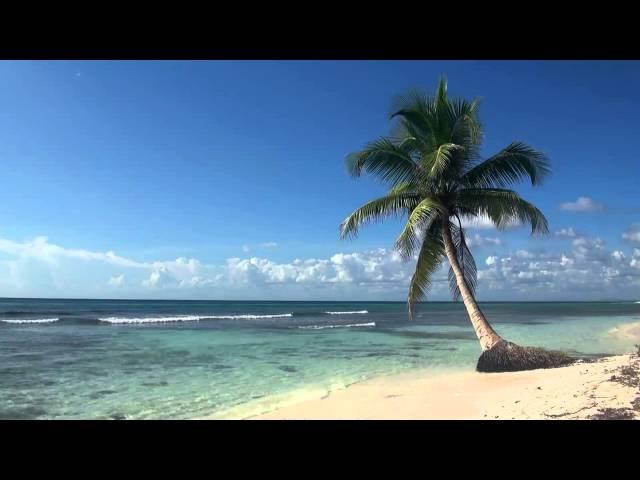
{"points": [[134, 359]]}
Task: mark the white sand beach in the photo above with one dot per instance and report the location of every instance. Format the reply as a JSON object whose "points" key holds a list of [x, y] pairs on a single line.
{"points": [[579, 391]]}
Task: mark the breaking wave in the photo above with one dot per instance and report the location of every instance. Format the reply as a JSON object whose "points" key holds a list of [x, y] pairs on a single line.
{"points": [[360, 312], [321, 327], [35, 320]]}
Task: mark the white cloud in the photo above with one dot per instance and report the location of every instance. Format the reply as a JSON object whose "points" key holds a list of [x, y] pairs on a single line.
{"points": [[478, 241], [38, 268], [582, 204], [618, 255], [566, 233], [116, 281], [632, 235], [373, 266], [483, 222], [248, 248], [566, 261], [589, 271], [40, 248]]}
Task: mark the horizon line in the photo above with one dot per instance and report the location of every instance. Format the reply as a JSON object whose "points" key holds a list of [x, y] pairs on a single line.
{"points": [[310, 301]]}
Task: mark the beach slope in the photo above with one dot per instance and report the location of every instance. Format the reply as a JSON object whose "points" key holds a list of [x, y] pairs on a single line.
{"points": [[606, 388]]}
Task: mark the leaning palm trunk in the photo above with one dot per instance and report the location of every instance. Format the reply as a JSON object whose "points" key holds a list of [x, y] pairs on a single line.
{"points": [[497, 355], [486, 334]]}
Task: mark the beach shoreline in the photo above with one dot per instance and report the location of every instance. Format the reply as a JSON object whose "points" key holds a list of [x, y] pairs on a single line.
{"points": [[605, 388]]}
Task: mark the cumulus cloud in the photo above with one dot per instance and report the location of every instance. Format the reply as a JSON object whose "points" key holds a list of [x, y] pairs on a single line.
{"points": [[566, 233], [373, 266], [116, 281], [632, 235], [479, 241], [40, 250], [483, 222], [582, 204], [587, 267]]}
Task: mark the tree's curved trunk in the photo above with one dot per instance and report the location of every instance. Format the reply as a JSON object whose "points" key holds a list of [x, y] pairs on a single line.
{"points": [[486, 334]]}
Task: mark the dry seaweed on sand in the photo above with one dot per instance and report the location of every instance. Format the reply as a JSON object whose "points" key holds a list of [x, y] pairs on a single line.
{"points": [[613, 414]]}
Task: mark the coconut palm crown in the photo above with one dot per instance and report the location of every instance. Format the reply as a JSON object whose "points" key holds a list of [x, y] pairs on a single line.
{"points": [[437, 180]]}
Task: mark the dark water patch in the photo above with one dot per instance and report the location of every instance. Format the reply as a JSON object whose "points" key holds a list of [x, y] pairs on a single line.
{"points": [[25, 356], [250, 357], [430, 335], [162, 383], [446, 349], [22, 413], [380, 354], [48, 383], [100, 394], [255, 397], [118, 416], [14, 371], [521, 322], [65, 362], [205, 358], [285, 350], [221, 366], [176, 353], [288, 368]]}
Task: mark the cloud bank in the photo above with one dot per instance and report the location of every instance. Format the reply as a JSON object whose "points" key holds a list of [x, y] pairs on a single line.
{"points": [[583, 268]]}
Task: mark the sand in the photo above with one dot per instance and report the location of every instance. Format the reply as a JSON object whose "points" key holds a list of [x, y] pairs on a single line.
{"points": [[579, 391]]}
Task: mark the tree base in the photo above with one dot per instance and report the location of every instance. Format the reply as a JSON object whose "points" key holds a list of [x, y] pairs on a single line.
{"points": [[509, 357]]}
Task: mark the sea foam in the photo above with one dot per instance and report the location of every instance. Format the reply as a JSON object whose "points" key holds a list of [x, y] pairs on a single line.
{"points": [[320, 327], [361, 312], [240, 317], [36, 320], [186, 318]]}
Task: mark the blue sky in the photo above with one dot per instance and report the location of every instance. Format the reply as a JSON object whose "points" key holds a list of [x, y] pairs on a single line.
{"points": [[219, 180]]}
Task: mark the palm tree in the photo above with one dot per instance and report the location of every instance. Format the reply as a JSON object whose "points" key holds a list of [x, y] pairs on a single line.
{"points": [[437, 179]]}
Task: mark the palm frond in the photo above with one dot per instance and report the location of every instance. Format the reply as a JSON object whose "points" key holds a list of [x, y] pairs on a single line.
{"points": [[503, 207], [383, 159], [429, 260], [404, 187], [441, 160], [467, 264], [419, 221], [511, 165], [394, 204]]}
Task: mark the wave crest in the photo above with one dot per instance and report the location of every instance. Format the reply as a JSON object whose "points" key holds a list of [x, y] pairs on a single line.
{"points": [[125, 320], [187, 318], [240, 317], [360, 312], [26, 320], [321, 327]]}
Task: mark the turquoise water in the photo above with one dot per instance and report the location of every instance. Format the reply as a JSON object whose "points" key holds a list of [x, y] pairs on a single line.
{"points": [[147, 359]]}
